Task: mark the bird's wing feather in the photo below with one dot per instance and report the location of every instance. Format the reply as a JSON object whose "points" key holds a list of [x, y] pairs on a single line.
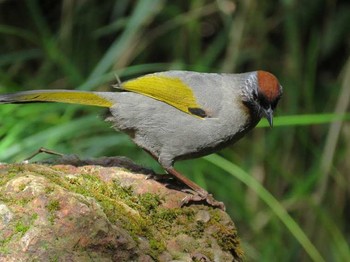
{"points": [[189, 92]]}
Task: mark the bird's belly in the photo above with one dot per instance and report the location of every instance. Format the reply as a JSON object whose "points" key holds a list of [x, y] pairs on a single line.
{"points": [[210, 146], [165, 131]]}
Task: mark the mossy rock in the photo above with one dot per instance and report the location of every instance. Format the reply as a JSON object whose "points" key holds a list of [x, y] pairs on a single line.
{"points": [[91, 212]]}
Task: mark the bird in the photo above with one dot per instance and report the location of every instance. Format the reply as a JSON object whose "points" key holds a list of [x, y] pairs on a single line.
{"points": [[176, 115]]}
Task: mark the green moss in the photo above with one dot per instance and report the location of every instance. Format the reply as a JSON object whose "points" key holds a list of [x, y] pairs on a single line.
{"points": [[182, 215], [22, 201], [157, 247], [22, 187], [4, 249], [214, 216], [164, 214], [20, 227], [53, 206], [109, 196], [228, 240], [54, 259], [198, 230], [226, 235], [5, 178], [123, 192], [34, 217], [9, 200], [149, 202], [49, 190]]}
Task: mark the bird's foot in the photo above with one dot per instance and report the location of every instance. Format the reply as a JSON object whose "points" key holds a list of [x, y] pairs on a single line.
{"points": [[205, 197], [199, 195]]}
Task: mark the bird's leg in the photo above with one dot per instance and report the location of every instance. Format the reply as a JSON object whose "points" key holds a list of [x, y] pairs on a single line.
{"points": [[201, 194], [187, 182]]}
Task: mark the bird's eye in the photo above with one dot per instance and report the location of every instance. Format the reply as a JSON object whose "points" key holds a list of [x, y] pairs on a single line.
{"points": [[274, 104], [263, 102], [255, 96]]}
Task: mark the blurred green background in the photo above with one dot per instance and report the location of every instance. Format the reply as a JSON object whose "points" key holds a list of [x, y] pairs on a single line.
{"points": [[304, 161]]}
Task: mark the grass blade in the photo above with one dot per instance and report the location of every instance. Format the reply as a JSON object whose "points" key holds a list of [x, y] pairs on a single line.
{"points": [[306, 120], [271, 201], [141, 14]]}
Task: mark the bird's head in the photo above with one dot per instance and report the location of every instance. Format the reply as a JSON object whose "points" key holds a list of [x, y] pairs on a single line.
{"points": [[261, 94]]}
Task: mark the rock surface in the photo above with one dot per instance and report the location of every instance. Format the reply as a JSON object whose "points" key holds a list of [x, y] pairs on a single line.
{"points": [[105, 210]]}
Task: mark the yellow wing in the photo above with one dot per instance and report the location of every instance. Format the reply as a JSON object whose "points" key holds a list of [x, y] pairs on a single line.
{"points": [[170, 90]]}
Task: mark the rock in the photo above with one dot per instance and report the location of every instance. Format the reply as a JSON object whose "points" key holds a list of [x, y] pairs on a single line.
{"points": [[99, 210]]}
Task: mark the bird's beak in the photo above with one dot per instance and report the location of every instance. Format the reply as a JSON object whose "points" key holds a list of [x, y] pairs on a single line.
{"points": [[268, 113]]}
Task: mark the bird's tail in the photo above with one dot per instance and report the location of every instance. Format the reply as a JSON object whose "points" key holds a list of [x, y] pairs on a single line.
{"points": [[102, 99]]}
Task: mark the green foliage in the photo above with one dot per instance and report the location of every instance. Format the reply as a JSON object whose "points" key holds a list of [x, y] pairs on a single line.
{"points": [[301, 162]]}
